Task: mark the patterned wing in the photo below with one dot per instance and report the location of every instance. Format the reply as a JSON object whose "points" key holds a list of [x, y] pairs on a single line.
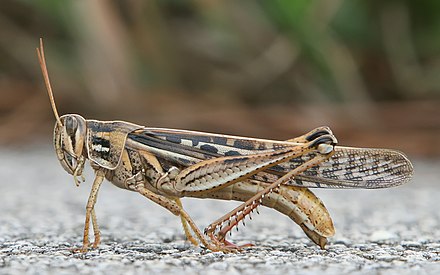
{"points": [[348, 167], [354, 168]]}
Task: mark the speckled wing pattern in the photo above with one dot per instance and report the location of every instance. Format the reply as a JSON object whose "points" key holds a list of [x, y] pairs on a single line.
{"points": [[348, 167], [355, 168]]}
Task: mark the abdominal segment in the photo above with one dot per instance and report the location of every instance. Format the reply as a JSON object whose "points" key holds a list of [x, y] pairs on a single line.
{"points": [[298, 203]]}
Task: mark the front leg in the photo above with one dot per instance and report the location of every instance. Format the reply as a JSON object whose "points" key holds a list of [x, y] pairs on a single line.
{"points": [[90, 213], [96, 232]]}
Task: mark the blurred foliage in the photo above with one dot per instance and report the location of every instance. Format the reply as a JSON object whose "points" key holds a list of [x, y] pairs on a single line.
{"points": [[146, 56], [297, 50]]}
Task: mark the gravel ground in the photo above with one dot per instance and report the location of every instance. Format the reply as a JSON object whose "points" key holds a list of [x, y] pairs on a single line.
{"points": [[393, 231]]}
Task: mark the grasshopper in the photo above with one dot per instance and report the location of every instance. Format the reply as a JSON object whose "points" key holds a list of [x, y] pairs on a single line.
{"points": [[165, 165]]}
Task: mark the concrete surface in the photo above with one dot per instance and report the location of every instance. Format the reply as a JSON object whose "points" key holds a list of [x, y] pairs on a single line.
{"points": [[393, 231]]}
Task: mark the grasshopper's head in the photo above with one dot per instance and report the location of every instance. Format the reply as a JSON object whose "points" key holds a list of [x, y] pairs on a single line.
{"points": [[69, 141]]}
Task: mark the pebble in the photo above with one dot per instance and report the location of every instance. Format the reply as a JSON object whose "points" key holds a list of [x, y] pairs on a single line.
{"points": [[382, 236], [411, 244]]}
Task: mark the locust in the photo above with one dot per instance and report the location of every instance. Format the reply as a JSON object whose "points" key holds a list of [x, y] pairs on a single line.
{"points": [[165, 165]]}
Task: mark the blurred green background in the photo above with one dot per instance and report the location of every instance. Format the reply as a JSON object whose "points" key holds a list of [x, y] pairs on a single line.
{"points": [[274, 69]]}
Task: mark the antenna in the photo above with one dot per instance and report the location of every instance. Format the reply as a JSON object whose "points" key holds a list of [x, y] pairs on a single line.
{"points": [[41, 58]]}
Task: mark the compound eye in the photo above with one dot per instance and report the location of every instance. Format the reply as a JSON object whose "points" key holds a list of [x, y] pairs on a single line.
{"points": [[71, 162], [71, 125]]}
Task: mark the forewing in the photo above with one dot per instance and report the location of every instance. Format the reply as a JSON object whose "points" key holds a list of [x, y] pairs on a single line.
{"points": [[185, 148], [211, 161], [348, 167]]}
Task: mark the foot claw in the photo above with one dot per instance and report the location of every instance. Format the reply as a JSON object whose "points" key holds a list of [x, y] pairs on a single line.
{"points": [[83, 249], [223, 245], [234, 246]]}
